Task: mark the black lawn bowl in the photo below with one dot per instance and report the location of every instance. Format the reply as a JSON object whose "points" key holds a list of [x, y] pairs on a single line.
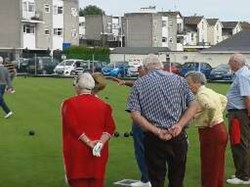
{"points": [[126, 134], [116, 134], [32, 133], [106, 97]]}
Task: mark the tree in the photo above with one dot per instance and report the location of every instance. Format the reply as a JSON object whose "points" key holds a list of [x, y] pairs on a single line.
{"points": [[91, 10]]}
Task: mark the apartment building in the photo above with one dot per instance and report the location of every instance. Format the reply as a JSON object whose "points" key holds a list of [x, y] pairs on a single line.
{"points": [[144, 29], [38, 24]]}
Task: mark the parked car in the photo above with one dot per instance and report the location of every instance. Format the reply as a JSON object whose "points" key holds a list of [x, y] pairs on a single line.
{"points": [[41, 65], [117, 69], [196, 66], [221, 72], [21, 65], [133, 66], [67, 67], [90, 66], [173, 67]]}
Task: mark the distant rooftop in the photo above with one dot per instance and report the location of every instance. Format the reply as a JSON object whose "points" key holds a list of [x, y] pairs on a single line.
{"points": [[192, 20], [212, 21], [239, 42]]}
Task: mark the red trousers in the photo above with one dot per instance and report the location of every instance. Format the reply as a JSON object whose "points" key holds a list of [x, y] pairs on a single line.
{"points": [[213, 143], [86, 183]]}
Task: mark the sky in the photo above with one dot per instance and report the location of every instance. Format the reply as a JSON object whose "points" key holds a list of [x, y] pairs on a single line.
{"points": [[225, 10]]}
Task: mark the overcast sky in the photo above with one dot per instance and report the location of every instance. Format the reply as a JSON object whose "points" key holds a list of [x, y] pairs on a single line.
{"points": [[225, 10]]}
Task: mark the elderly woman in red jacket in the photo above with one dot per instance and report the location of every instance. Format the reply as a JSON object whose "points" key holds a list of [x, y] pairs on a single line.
{"points": [[87, 125]]}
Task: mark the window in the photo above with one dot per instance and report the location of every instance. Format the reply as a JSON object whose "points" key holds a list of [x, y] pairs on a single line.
{"points": [[31, 7], [28, 29], [164, 39], [192, 36], [170, 39], [58, 10], [46, 31], [164, 23], [25, 6], [46, 8], [58, 31], [28, 6], [82, 24]]}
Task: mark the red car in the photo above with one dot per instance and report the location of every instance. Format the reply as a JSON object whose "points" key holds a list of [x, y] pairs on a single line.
{"points": [[173, 67]]}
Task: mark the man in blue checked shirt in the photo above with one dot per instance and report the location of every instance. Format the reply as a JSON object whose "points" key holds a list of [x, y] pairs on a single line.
{"points": [[162, 104]]}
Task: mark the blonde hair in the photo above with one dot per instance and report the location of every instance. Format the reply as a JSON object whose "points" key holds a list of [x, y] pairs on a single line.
{"points": [[100, 82]]}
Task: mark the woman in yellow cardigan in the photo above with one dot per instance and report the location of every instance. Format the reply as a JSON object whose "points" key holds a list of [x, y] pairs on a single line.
{"points": [[211, 128]]}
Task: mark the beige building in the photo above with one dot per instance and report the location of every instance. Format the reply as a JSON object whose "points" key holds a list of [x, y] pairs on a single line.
{"points": [[38, 24]]}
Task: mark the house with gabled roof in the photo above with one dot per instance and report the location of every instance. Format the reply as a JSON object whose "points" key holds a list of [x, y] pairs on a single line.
{"points": [[214, 34], [195, 28], [230, 28]]}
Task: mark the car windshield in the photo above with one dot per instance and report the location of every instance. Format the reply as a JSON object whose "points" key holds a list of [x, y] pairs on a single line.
{"points": [[222, 67], [67, 63]]}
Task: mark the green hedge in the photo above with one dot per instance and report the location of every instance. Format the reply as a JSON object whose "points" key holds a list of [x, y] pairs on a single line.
{"points": [[86, 53]]}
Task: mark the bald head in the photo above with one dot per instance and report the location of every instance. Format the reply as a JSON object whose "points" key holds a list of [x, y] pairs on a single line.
{"points": [[237, 61]]}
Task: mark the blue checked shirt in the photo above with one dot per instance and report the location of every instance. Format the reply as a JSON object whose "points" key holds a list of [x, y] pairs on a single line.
{"points": [[160, 97]]}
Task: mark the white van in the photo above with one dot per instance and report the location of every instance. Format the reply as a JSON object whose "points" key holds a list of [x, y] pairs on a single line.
{"points": [[67, 67]]}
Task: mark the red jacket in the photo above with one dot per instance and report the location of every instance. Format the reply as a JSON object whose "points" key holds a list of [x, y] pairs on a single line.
{"points": [[90, 115]]}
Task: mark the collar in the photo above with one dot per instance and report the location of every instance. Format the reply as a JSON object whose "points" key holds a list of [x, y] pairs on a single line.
{"points": [[202, 87], [241, 70]]}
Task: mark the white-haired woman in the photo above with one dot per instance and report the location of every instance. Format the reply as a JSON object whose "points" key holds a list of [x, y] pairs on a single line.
{"points": [[87, 125], [212, 131]]}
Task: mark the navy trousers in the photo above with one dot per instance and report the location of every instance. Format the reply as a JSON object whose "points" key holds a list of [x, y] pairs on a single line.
{"points": [[2, 102], [138, 136]]}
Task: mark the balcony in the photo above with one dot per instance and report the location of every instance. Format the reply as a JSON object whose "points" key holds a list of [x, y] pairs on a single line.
{"points": [[35, 17]]}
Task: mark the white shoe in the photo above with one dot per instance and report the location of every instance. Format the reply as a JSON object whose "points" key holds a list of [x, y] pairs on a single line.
{"points": [[233, 176], [141, 184], [237, 181], [8, 115]]}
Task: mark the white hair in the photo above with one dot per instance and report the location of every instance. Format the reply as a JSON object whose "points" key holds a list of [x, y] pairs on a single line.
{"points": [[152, 62], [238, 59], [85, 82], [1, 60], [197, 77]]}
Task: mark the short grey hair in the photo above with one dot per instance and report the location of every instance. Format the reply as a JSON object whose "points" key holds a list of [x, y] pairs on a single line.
{"points": [[238, 59], [1, 60], [197, 77], [152, 62], [84, 81]]}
